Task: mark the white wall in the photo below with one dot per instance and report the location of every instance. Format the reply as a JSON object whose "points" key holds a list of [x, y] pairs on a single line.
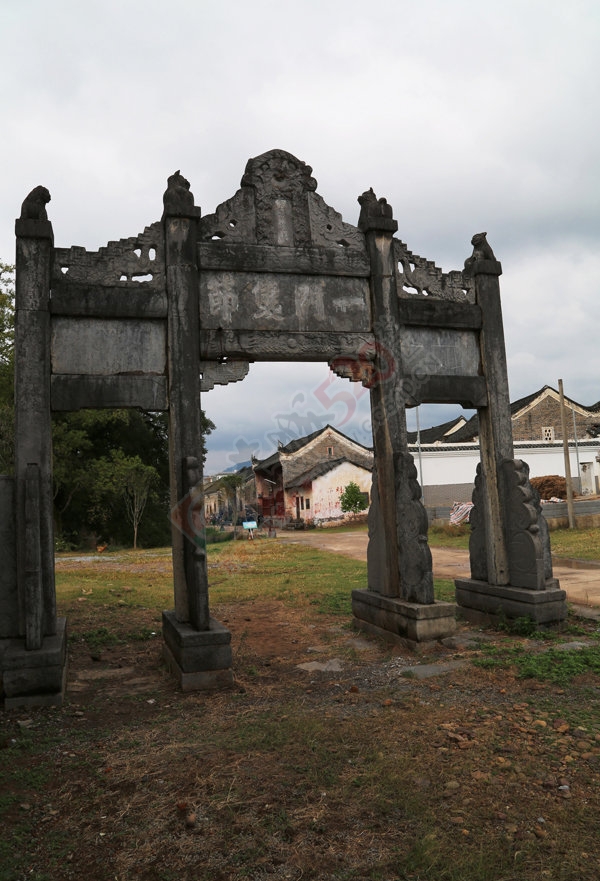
{"points": [[327, 489], [444, 465]]}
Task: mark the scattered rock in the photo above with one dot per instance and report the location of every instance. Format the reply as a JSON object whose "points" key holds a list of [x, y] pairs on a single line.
{"points": [[424, 671], [332, 666]]}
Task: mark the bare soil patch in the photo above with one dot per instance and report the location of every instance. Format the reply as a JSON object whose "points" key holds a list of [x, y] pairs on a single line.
{"points": [[356, 771]]}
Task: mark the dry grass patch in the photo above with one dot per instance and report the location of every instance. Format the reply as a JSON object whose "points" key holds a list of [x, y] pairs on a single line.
{"points": [[355, 774]]}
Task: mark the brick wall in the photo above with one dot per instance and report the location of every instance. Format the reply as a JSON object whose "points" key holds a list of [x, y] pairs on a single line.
{"points": [[313, 454], [445, 495], [547, 414]]}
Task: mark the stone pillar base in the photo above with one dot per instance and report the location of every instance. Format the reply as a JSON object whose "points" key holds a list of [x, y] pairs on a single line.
{"points": [[35, 678], [485, 603], [398, 620], [200, 660]]}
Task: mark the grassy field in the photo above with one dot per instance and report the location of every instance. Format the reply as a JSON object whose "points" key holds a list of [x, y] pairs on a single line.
{"points": [[330, 759], [582, 544]]}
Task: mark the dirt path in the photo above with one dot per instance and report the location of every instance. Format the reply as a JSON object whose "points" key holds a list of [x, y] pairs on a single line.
{"points": [[582, 585]]}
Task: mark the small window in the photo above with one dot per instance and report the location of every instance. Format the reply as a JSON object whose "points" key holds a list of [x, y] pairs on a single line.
{"points": [[308, 504], [548, 433], [302, 503], [330, 451]]}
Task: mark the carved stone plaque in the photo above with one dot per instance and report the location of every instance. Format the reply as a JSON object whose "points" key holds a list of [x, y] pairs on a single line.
{"points": [[267, 301], [108, 346], [440, 352]]}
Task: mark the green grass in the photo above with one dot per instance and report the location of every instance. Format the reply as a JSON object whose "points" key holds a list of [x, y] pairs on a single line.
{"points": [[447, 536], [297, 574], [581, 544], [551, 665]]}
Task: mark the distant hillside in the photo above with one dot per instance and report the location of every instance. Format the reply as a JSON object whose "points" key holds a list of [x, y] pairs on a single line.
{"points": [[238, 467]]}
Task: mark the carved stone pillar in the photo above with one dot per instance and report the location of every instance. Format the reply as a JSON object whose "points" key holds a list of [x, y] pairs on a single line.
{"points": [[400, 600], [185, 434], [33, 426], [511, 568], [407, 569], [495, 427], [33, 653], [197, 648]]}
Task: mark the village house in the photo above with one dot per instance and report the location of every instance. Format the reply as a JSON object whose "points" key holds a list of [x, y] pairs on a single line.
{"points": [[304, 479], [447, 455], [222, 502]]}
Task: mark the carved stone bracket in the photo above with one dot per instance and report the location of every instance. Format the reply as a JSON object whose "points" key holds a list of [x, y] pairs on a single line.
{"points": [[478, 537], [416, 577], [524, 538], [214, 373], [356, 368]]}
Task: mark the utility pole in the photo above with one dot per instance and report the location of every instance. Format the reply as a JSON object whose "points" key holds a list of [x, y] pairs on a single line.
{"points": [[563, 420]]}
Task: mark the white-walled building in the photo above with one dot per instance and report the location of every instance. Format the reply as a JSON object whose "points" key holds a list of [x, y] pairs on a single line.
{"points": [[447, 455]]}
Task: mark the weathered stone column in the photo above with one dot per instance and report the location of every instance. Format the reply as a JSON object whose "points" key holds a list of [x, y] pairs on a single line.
{"points": [[511, 566], [33, 655], [185, 432], [197, 648], [33, 427], [495, 427], [399, 602], [403, 519]]}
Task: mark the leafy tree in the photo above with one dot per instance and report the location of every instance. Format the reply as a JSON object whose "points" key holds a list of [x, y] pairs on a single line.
{"points": [[90, 448], [7, 312], [136, 480], [353, 499]]}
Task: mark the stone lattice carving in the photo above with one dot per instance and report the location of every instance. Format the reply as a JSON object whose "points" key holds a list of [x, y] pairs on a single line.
{"points": [[527, 561], [278, 205], [416, 575], [478, 537], [418, 276], [137, 259], [234, 221], [34, 205], [328, 228]]}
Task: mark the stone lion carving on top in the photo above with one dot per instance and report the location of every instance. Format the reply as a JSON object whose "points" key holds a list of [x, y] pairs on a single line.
{"points": [[34, 205], [178, 198]]}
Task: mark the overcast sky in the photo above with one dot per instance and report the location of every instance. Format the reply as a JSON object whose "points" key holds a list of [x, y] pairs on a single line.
{"points": [[466, 116]]}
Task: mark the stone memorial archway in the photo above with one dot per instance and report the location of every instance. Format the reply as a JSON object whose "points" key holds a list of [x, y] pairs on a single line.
{"points": [[274, 274]]}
